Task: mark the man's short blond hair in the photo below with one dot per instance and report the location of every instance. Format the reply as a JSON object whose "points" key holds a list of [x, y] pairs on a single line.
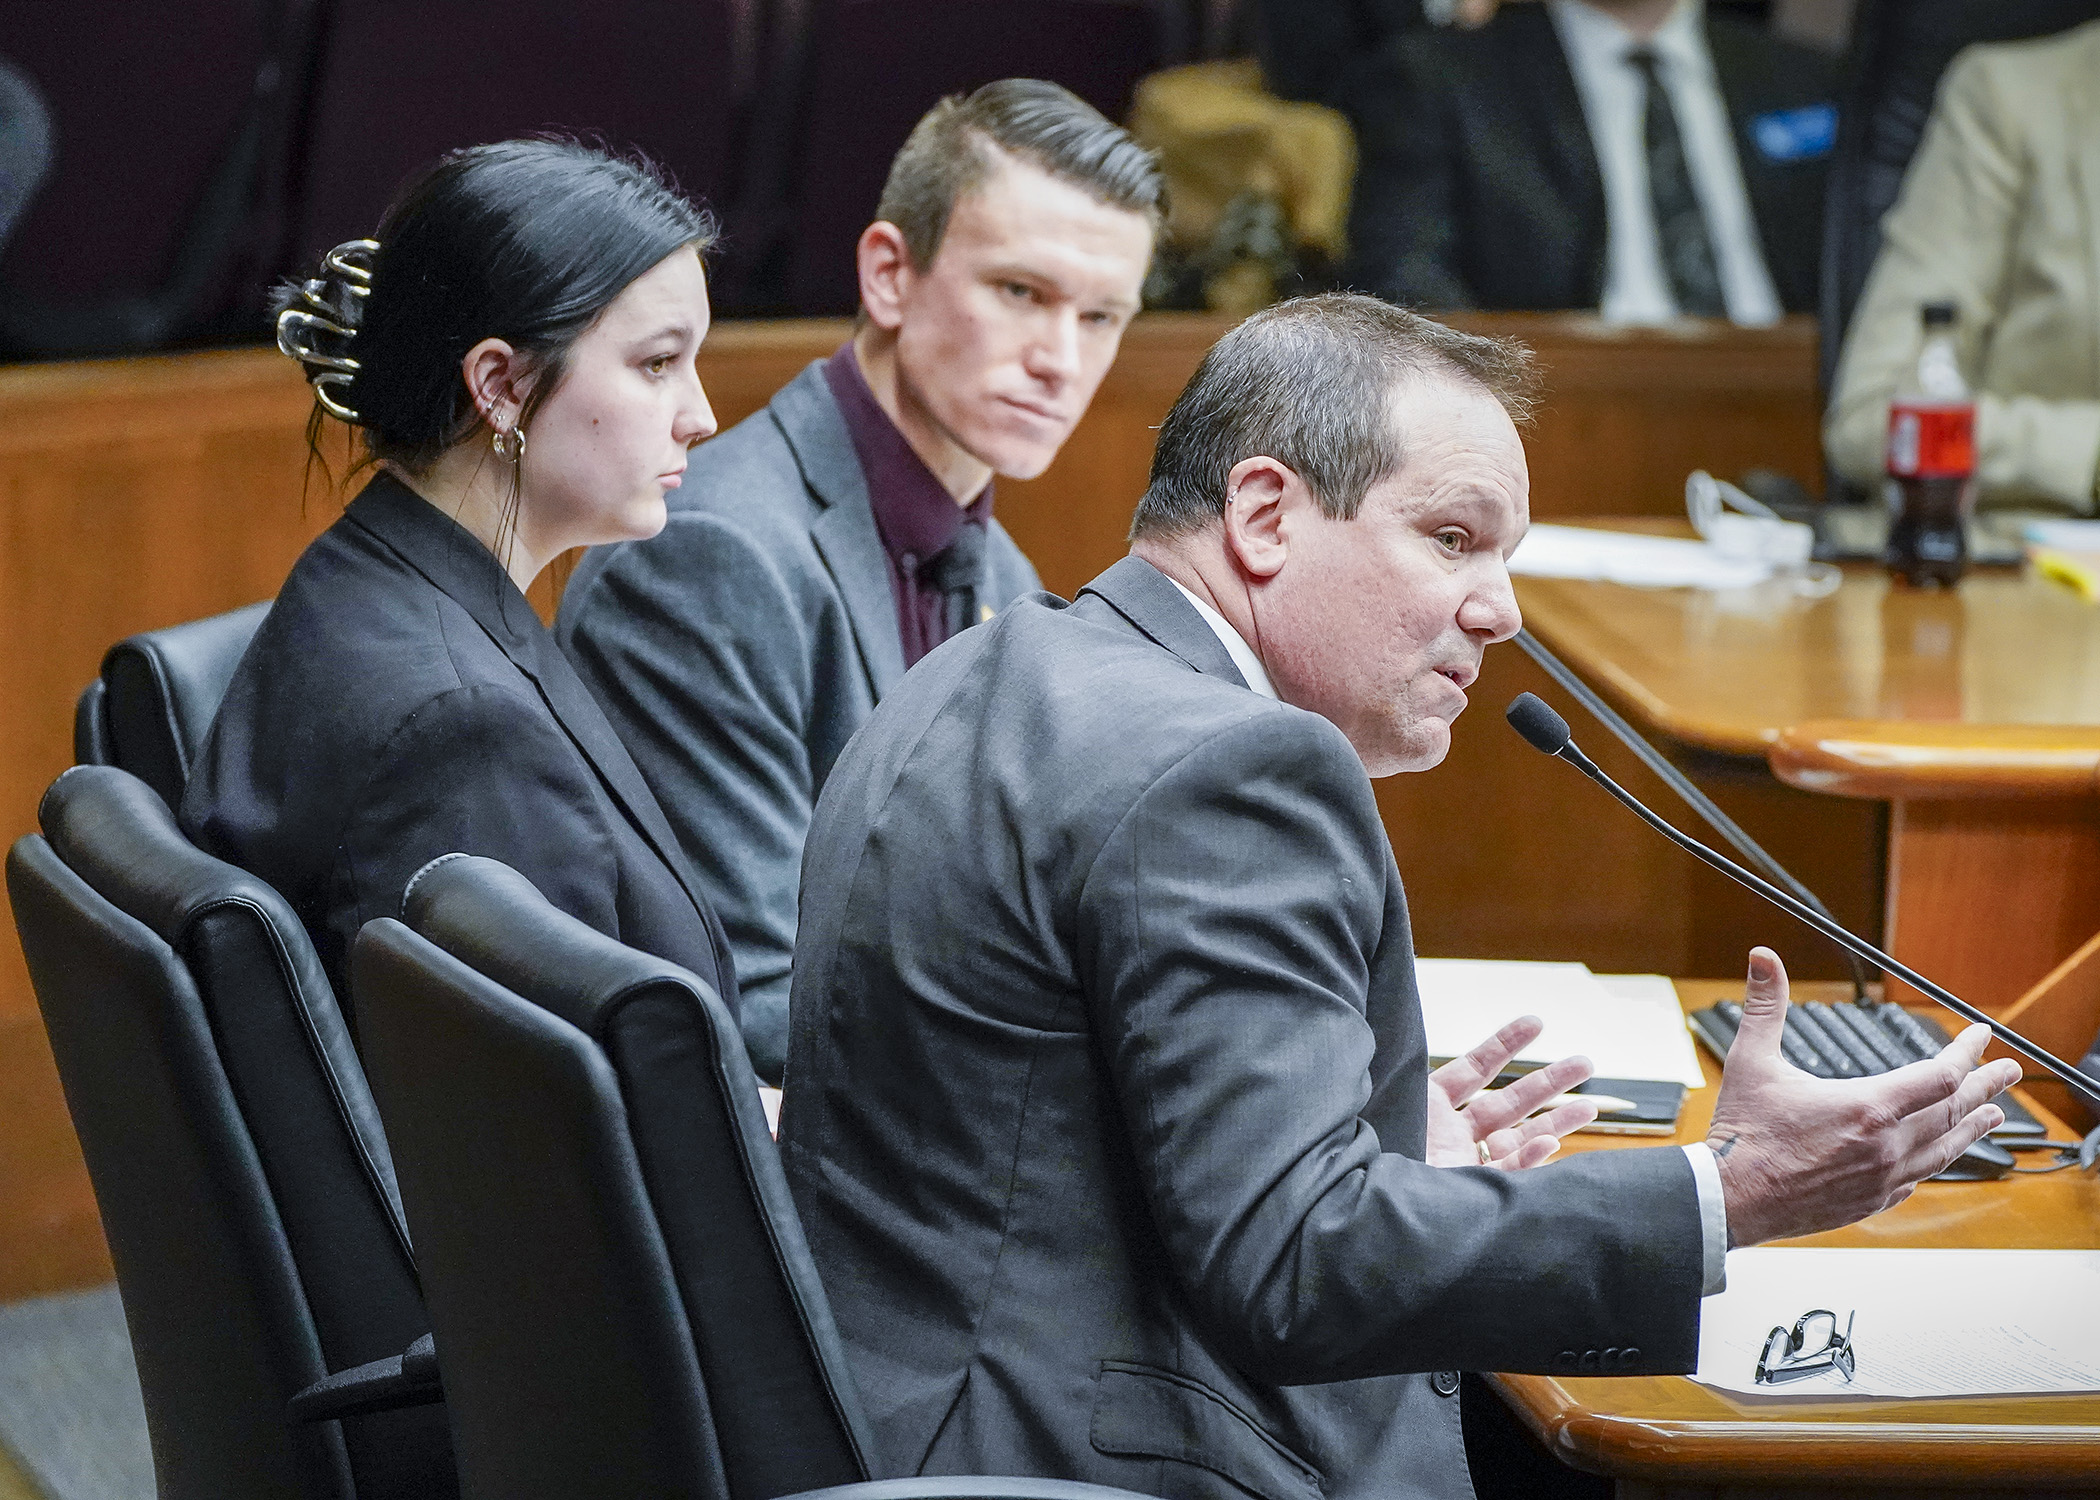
{"points": [[1039, 123]]}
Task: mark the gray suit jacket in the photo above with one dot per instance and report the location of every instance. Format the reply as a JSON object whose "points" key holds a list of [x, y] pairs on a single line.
{"points": [[1106, 1093], [737, 651]]}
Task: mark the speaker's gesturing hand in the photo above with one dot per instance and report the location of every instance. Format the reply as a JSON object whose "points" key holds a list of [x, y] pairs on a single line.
{"points": [[1472, 1128], [1799, 1153]]}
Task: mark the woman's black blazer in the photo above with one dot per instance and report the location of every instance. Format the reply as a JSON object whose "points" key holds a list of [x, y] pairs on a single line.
{"points": [[402, 701]]}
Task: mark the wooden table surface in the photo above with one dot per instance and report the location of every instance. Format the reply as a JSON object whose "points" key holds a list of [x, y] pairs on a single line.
{"points": [[2003, 651], [1668, 1429]]}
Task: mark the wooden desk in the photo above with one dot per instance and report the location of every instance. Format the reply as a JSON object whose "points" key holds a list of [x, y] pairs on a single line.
{"points": [[1973, 714], [1666, 1436]]}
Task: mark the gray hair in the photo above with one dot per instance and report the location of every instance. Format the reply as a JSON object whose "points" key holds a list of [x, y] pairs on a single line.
{"points": [[1049, 127], [1310, 383]]}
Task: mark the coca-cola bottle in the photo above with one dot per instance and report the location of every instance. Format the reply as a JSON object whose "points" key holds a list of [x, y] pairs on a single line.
{"points": [[1931, 461]]}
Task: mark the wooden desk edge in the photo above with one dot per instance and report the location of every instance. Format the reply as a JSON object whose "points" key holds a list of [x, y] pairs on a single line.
{"points": [[1749, 1450], [1981, 1439], [1935, 762]]}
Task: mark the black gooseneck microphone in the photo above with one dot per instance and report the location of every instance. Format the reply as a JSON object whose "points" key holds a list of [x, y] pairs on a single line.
{"points": [[1686, 789], [1547, 732]]}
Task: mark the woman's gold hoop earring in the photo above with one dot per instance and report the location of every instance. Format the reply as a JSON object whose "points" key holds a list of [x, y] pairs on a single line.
{"points": [[508, 445]]}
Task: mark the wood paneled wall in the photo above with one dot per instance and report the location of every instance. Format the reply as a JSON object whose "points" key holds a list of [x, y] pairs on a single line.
{"points": [[139, 493]]}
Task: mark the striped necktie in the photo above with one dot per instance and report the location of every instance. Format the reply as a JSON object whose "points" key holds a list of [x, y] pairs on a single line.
{"points": [[1680, 227]]}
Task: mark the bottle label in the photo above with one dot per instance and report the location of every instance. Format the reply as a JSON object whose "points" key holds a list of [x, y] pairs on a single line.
{"points": [[1932, 440]]}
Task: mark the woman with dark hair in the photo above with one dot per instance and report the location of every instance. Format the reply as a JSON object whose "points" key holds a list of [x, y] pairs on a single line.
{"points": [[518, 350]]}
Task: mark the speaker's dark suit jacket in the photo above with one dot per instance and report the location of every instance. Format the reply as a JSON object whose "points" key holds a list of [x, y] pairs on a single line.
{"points": [[1477, 184], [737, 651], [1106, 1093], [402, 701]]}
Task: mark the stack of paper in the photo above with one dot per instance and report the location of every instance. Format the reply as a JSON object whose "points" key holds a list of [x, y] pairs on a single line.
{"points": [[2071, 535], [1628, 1025], [1631, 558], [1924, 1322]]}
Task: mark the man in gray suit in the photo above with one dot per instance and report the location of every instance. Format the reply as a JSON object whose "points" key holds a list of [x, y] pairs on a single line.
{"points": [[1108, 1112], [822, 546]]}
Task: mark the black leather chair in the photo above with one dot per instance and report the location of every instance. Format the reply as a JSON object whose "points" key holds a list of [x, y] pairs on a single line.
{"points": [[150, 708], [1898, 51], [243, 1179], [616, 1273]]}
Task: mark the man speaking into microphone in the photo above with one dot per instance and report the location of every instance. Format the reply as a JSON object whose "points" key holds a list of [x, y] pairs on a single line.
{"points": [[1108, 1111]]}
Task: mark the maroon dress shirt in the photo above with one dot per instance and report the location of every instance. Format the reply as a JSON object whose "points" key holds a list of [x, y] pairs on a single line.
{"points": [[917, 519]]}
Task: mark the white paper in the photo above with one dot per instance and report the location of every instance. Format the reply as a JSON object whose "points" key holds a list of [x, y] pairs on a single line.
{"points": [[1665, 1023], [1924, 1322], [1649, 562], [2065, 536], [1628, 1027]]}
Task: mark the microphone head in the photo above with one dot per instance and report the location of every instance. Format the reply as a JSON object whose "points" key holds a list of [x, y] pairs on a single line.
{"points": [[1545, 730]]}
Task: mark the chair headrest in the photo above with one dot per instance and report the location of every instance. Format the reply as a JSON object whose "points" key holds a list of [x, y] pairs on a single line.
{"points": [[113, 830], [493, 919], [163, 690]]}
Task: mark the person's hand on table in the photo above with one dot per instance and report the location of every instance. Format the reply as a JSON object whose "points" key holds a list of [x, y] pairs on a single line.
{"points": [[1471, 1125], [1799, 1153]]}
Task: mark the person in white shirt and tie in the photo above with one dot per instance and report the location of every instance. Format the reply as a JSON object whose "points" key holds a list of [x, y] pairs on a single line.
{"points": [[1645, 159]]}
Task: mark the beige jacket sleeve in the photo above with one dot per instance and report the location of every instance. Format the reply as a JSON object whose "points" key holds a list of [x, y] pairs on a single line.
{"points": [[1995, 216]]}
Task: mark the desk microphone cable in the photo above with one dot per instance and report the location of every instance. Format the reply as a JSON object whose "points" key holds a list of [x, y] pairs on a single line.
{"points": [[2084, 1155], [1752, 852]]}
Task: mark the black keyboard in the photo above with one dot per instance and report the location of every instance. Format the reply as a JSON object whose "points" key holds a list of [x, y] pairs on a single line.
{"points": [[1852, 1039]]}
